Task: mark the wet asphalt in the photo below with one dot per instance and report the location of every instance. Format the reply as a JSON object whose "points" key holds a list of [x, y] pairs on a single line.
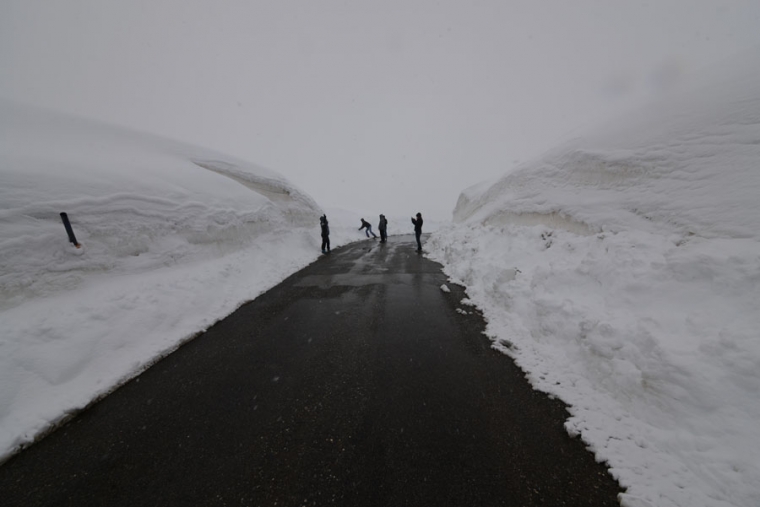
{"points": [[354, 382]]}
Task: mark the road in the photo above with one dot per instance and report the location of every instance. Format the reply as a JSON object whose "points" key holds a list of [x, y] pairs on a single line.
{"points": [[354, 382]]}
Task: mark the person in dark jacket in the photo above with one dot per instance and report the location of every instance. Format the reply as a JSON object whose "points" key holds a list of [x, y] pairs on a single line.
{"points": [[383, 228], [418, 230], [325, 233], [366, 225]]}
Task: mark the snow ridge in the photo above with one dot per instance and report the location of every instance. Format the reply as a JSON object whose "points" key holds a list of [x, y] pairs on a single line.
{"points": [[636, 294], [171, 242]]}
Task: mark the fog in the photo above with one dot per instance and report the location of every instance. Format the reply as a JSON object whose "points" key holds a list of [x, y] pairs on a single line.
{"points": [[384, 107]]}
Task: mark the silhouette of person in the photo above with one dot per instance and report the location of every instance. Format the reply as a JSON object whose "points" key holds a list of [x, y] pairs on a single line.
{"points": [[366, 225], [418, 230], [383, 228], [325, 233]]}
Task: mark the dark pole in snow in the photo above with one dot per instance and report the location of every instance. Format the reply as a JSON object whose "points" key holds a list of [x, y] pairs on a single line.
{"points": [[69, 230]]}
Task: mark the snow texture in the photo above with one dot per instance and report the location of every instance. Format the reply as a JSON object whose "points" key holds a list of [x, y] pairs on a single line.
{"points": [[622, 272], [173, 238]]}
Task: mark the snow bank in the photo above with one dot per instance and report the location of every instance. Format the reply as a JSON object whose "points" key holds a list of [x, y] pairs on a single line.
{"points": [[622, 272], [685, 165], [173, 238]]}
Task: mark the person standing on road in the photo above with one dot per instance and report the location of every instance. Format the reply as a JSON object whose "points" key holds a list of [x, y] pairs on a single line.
{"points": [[383, 228], [325, 233], [418, 230], [366, 225]]}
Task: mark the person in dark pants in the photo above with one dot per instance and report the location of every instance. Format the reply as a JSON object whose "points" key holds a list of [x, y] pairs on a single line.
{"points": [[366, 225], [418, 230], [383, 228], [325, 234]]}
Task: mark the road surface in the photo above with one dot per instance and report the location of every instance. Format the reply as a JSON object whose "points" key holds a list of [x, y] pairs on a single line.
{"points": [[354, 382]]}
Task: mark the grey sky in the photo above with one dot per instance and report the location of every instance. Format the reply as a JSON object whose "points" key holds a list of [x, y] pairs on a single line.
{"points": [[384, 106]]}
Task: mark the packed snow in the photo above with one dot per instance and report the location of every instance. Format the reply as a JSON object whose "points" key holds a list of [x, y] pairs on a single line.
{"points": [[172, 237], [622, 272]]}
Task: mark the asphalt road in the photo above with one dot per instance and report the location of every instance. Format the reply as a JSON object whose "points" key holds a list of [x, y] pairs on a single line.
{"points": [[354, 382]]}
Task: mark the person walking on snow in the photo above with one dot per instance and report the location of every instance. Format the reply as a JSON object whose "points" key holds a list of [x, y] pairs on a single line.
{"points": [[382, 227], [366, 225], [325, 233], [418, 230]]}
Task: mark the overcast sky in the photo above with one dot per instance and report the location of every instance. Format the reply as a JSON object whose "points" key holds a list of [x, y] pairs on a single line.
{"points": [[387, 106]]}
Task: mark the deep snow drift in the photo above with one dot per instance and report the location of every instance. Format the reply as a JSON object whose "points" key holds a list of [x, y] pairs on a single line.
{"points": [[622, 272], [173, 238]]}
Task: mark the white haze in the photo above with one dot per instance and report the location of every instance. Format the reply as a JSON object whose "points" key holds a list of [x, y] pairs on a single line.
{"points": [[620, 270], [392, 106]]}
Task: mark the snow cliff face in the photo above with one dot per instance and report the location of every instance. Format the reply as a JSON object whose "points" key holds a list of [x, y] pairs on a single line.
{"points": [[136, 202], [174, 237], [622, 272], [686, 165]]}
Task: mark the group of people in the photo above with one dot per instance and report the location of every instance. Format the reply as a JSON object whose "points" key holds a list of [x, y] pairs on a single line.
{"points": [[382, 227]]}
